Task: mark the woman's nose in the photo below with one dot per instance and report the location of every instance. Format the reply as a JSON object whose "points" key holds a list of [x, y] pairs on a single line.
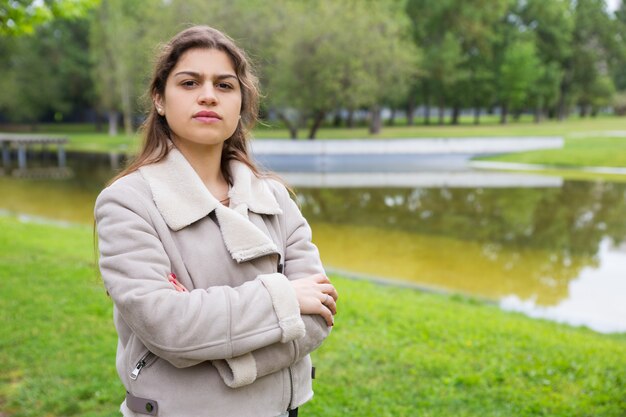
{"points": [[207, 95]]}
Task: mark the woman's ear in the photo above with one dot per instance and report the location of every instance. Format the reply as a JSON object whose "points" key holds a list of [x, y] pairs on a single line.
{"points": [[158, 104]]}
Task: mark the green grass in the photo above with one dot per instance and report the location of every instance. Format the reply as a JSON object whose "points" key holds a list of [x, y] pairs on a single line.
{"points": [[393, 351], [592, 151], [101, 142], [57, 340]]}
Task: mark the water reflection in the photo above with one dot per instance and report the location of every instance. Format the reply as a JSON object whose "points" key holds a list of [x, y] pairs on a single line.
{"points": [[594, 299], [69, 199], [530, 242], [59, 173]]}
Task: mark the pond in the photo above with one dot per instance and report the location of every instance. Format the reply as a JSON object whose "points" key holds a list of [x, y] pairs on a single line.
{"points": [[549, 248]]}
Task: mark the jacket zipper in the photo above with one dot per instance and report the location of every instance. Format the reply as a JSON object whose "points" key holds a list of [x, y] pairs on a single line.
{"points": [[140, 365], [291, 387]]}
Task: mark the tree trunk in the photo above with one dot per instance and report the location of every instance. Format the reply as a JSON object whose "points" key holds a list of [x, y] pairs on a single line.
{"points": [[127, 108], [538, 114], [410, 109], [426, 104], [584, 110], [456, 112], [350, 121], [442, 110], [337, 119], [504, 112], [98, 121], [317, 122], [392, 117], [477, 115], [113, 122], [292, 127], [562, 110], [375, 119]]}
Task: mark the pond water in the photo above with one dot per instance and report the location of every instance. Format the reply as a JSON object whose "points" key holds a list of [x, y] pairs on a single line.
{"points": [[549, 248]]}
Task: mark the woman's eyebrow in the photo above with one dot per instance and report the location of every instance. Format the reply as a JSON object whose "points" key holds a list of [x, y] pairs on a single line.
{"points": [[224, 76], [190, 73], [198, 75]]}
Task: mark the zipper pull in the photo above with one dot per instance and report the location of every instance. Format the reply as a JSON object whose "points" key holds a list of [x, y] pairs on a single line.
{"points": [[135, 373], [142, 362]]}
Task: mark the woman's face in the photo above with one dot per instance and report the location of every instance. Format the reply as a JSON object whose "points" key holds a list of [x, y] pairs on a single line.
{"points": [[202, 100]]}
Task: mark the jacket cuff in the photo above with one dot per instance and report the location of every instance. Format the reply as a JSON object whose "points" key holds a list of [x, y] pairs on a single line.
{"points": [[237, 372], [286, 306]]}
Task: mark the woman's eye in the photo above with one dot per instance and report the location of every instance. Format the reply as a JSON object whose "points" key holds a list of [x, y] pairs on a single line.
{"points": [[188, 83], [225, 86]]}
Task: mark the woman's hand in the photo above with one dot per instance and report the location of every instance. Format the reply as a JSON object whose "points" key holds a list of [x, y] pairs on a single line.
{"points": [[316, 295]]}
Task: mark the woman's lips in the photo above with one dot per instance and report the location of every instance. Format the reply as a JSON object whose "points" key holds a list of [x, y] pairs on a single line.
{"points": [[207, 117]]}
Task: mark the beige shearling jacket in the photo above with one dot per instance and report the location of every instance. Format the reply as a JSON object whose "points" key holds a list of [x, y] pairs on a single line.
{"points": [[235, 344]]}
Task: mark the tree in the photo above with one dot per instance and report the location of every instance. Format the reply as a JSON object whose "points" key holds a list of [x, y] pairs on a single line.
{"points": [[19, 17], [517, 74], [431, 22], [619, 56], [120, 48], [338, 55], [46, 74], [552, 23], [457, 39], [592, 45]]}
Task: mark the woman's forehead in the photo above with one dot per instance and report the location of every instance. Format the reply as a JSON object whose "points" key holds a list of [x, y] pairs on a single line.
{"points": [[205, 61]]}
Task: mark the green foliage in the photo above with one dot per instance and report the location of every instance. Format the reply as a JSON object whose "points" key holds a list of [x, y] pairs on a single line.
{"points": [[518, 72], [322, 57], [122, 40], [393, 351], [46, 73], [19, 17], [340, 55]]}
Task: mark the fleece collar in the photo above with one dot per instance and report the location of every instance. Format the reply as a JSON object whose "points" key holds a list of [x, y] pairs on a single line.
{"points": [[182, 199]]}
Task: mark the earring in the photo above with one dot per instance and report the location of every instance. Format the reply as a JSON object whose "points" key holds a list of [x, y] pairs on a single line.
{"points": [[160, 111]]}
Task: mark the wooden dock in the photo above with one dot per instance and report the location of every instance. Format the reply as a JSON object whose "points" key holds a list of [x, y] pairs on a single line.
{"points": [[21, 142]]}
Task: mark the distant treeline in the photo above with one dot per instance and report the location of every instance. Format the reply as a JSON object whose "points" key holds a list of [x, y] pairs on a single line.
{"points": [[323, 58]]}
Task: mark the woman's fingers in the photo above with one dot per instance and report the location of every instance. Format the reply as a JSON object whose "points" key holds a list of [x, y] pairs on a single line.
{"points": [[327, 315], [329, 302], [320, 278], [316, 295], [177, 285], [330, 290]]}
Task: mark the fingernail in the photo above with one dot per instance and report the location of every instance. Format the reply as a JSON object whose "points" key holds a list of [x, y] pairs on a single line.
{"points": [[173, 275]]}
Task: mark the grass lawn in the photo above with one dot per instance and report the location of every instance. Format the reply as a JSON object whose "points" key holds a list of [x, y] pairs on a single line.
{"points": [[591, 151], [393, 352]]}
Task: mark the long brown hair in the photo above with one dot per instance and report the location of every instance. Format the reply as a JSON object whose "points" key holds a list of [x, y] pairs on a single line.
{"points": [[156, 131]]}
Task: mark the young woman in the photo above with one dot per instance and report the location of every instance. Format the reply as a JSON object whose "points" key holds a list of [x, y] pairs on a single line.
{"points": [[219, 293]]}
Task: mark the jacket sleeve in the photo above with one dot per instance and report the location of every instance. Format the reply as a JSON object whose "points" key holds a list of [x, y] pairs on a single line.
{"points": [[302, 259], [184, 328]]}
